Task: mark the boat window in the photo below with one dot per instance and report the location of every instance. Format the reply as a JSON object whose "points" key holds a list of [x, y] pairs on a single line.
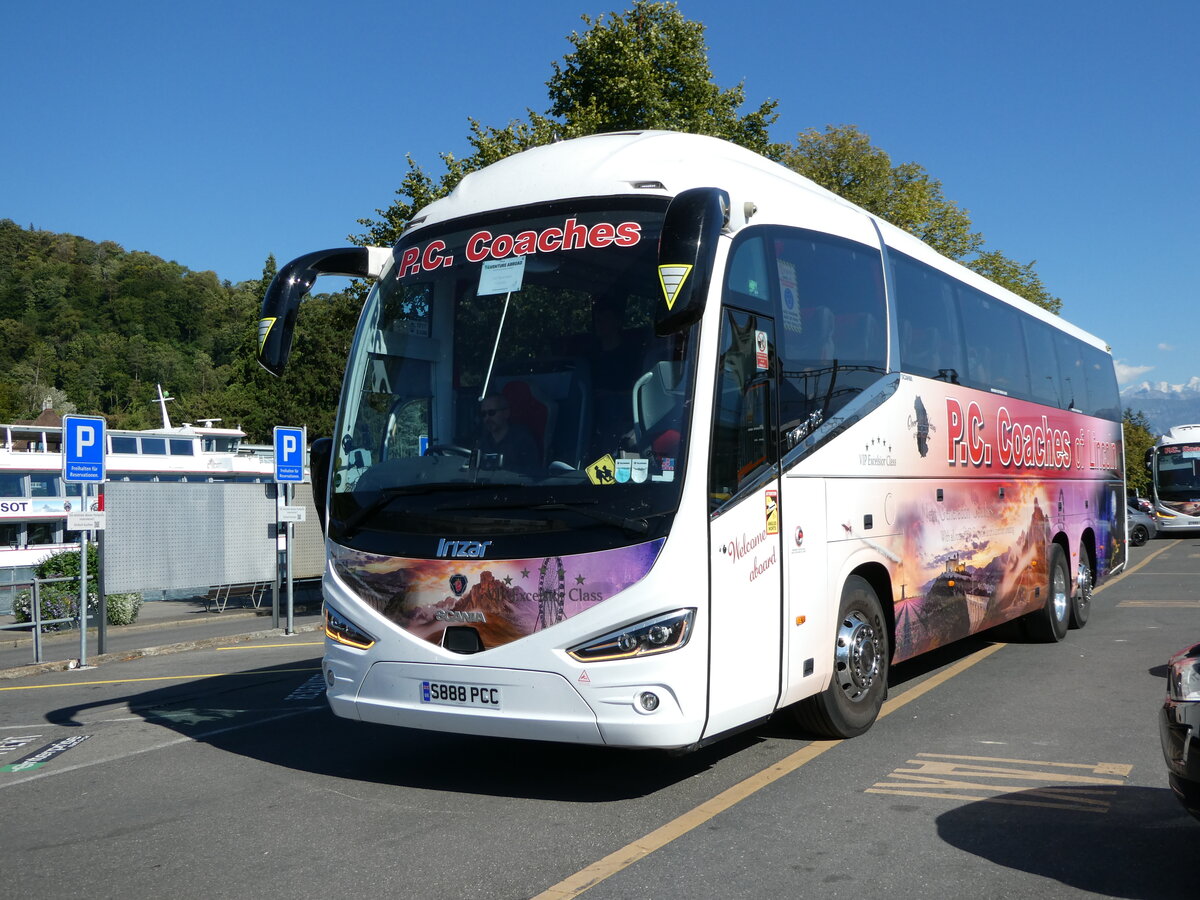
{"points": [[154, 446], [124, 444], [182, 447], [43, 484], [40, 533], [12, 484]]}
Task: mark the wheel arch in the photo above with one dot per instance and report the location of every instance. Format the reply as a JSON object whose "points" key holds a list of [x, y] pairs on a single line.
{"points": [[880, 580]]}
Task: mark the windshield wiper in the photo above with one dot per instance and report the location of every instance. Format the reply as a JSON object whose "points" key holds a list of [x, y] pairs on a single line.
{"points": [[388, 494], [635, 526]]}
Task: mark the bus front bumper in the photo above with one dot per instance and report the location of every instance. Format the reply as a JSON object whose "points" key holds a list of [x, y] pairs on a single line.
{"points": [[509, 703]]}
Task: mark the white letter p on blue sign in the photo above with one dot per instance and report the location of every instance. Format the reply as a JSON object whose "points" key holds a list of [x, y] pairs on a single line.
{"points": [[289, 454]]}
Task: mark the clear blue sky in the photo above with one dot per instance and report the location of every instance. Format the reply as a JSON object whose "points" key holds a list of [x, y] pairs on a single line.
{"points": [[216, 133]]}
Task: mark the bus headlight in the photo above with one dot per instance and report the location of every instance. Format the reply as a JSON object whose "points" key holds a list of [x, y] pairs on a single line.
{"points": [[342, 630], [669, 631]]}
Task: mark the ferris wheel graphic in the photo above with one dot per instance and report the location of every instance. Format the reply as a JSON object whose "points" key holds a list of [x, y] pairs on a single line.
{"points": [[550, 600]]}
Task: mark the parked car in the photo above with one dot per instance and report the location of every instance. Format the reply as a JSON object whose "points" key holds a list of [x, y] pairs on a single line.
{"points": [[1179, 727], [1142, 526], [1132, 498]]}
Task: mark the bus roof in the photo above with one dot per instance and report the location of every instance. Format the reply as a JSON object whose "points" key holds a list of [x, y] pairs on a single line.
{"points": [[665, 163], [1180, 434]]}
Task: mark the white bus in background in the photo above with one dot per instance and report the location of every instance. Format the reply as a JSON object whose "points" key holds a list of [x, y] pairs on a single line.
{"points": [[1174, 463], [760, 445]]}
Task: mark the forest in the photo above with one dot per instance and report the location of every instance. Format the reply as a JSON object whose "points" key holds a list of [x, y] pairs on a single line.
{"points": [[92, 328]]}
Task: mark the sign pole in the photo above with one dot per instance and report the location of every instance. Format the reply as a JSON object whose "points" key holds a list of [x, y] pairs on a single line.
{"points": [[290, 447], [84, 447], [287, 564], [83, 542]]}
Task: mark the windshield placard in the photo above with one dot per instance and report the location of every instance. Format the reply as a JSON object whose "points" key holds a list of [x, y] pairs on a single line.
{"points": [[501, 276]]}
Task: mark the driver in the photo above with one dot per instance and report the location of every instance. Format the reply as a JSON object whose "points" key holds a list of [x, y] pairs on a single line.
{"points": [[510, 442]]}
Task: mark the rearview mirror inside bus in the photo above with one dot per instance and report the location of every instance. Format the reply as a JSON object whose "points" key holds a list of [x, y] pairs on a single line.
{"points": [[685, 255], [292, 283]]}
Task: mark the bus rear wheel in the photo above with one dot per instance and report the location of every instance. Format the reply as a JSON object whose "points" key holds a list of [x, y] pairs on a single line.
{"points": [[851, 703], [1048, 625], [1081, 600]]}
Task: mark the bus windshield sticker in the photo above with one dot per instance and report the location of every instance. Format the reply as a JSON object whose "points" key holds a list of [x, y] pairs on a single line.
{"points": [[602, 471], [501, 276], [672, 278], [790, 294], [761, 359], [623, 471]]}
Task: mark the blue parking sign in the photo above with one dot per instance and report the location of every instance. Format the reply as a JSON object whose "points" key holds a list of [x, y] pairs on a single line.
{"points": [[83, 449], [289, 454]]}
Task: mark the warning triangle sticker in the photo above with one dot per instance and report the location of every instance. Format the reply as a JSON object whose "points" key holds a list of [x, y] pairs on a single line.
{"points": [[264, 328], [672, 278], [583, 676]]}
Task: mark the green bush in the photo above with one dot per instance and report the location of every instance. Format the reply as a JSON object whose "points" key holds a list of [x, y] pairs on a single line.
{"points": [[60, 599], [123, 608]]}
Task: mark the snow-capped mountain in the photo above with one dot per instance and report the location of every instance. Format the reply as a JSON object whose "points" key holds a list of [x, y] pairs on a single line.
{"points": [[1165, 404]]}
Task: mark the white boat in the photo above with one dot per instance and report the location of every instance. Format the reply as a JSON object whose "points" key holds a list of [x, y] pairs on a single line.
{"points": [[34, 499]]}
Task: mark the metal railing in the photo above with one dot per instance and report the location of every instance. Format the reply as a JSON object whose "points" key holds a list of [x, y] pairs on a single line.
{"points": [[36, 622]]}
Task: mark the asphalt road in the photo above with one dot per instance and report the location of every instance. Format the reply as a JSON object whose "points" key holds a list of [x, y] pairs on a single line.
{"points": [[1000, 769]]}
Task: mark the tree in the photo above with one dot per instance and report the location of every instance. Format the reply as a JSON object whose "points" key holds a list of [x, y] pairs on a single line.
{"points": [[648, 68], [844, 160], [1022, 280], [1139, 437], [645, 68]]}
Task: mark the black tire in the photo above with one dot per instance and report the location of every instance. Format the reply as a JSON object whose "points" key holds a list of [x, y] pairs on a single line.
{"points": [[1048, 625], [1081, 599], [1138, 535], [851, 703]]}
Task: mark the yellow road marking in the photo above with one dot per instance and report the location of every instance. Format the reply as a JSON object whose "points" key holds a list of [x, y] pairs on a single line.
{"points": [[992, 780], [272, 646], [574, 885], [1139, 566], [40, 687], [1164, 604]]}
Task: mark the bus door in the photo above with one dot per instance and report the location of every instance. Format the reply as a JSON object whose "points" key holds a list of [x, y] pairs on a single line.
{"points": [[744, 536]]}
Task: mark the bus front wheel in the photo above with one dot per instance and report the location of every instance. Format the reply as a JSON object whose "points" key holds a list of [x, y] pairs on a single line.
{"points": [[851, 703]]}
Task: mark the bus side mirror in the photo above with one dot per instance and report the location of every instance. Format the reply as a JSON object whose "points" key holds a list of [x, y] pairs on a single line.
{"points": [[686, 250], [292, 283], [320, 456], [1149, 458]]}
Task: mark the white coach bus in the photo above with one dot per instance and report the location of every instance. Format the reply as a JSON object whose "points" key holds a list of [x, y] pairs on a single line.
{"points": [[1174, 464], [644, 438]]}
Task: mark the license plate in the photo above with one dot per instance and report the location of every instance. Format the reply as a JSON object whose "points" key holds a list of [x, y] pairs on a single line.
{"points": [[483, 696]]}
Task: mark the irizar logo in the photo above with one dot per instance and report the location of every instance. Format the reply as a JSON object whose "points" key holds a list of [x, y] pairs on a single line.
{"points": [[462, 549]]}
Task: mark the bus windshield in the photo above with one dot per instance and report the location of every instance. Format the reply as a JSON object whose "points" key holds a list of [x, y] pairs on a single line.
{"points": [[1178, 473], [506, 378]]}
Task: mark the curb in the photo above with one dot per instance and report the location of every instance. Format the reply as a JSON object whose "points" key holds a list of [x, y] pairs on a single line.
{"points": [[63, 665], [137, 628]]}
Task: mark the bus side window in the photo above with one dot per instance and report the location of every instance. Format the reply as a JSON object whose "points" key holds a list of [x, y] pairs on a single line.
{"points": [[744, 434], [931, 342], [1043, 362]]}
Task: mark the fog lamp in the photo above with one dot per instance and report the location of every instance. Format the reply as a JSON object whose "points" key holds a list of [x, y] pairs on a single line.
{"points": [[648, 700]]}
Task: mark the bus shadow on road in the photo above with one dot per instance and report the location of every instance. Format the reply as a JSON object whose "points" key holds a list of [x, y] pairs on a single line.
{"points": [[278, 715], [1135, 843]]}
